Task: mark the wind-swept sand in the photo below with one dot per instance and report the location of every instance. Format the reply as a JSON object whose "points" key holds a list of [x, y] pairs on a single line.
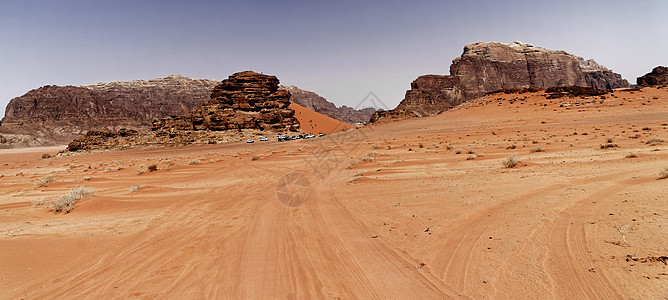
{"points": [[388, 211]]}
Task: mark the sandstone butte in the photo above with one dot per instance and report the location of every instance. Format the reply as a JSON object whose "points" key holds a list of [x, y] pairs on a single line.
{"points": [[53, 115], [486, 67], [245, 101]]}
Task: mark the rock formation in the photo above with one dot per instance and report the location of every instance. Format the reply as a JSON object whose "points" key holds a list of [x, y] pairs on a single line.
{"points": [[246, 100], [52, 115], [658, 76], [319, 104], [245, 104], [488, 67], [56, 114]]}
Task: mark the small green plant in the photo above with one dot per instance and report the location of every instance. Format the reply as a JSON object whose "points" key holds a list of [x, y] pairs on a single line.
{"points": [[511, 161], [66, 202]]}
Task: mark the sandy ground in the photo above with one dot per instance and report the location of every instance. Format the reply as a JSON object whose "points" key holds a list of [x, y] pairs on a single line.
{"points": [[383, 212], [315, 123]]}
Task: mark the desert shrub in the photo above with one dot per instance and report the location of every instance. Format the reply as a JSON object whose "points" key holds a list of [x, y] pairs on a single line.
{"points": [[66, 202], [255, 157], [537, 149], [510, 161], [631, 155], [194, 162], [471, 150], [654, 141], [609, 145], [45, 181], [421, 145], [352, 164], [369, 157], [471, 157], [152, 167], [134, 188], [664, 173], [38, 202], [449, 146], [459, 151]]}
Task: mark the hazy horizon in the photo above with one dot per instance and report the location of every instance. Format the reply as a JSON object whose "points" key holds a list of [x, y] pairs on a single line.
{"points": [[341, 50]]}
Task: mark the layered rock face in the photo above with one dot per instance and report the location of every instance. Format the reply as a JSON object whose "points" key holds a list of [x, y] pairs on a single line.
{"points": [[319, 104], [246, 100], [58, 114], [658, 76], [242, 106], [488, 67]]}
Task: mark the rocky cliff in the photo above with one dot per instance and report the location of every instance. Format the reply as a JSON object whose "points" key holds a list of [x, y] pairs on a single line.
{"points": [[245, 104], [319, 104], [246, 100], [658, 76], [57, 114], [487, 67]]}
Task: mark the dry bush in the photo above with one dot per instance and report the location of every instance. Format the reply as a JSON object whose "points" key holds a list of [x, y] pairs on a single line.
{"points": [[459, 151], [255, 157], [664, 173], [631, 155], [66, 202], [44, 182], [352, 164], [134, 188], [471, 157], [654, 142], [537, 149], [152, 167], [471, 150], [38, 202], [511, 161], [194, 162]]}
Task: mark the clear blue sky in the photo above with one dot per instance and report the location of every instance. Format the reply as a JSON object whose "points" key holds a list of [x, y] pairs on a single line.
{"points": [[339, 49]]}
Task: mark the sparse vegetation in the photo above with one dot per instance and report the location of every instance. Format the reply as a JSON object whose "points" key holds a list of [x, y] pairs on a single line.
{"points": [[510, 161], [471, 150], [537, 149], [654, 141], [631, 155], [471, 157], [459, 151], [45, 181], [664, 173], [623, 230], [255, 157], [194, 162], [152, 167], [134, 188], [38, 202], [66, 202]]}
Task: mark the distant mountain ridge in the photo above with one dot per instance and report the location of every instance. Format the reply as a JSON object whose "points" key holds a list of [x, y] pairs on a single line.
{"points": [[319, 104], [53, 115]]}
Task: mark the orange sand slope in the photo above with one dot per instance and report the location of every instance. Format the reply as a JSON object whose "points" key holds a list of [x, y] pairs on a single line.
{"points": [[419, 209], [314, 122]]}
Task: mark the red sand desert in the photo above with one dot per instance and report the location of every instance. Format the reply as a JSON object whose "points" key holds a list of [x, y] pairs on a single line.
{"points": [[390, 211]]}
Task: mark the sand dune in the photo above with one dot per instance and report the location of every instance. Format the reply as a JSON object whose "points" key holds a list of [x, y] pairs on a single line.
{"points": [[388, 211]]}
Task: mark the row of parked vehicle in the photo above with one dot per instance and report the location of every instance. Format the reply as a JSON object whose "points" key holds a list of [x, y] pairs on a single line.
{"points": [[284, 138]]}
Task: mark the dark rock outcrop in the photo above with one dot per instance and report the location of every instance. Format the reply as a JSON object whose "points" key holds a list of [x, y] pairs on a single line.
{"points": [[57, 114], [245, 104], [488, 67], [658, 76], [246, 100], [319, 104]]}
